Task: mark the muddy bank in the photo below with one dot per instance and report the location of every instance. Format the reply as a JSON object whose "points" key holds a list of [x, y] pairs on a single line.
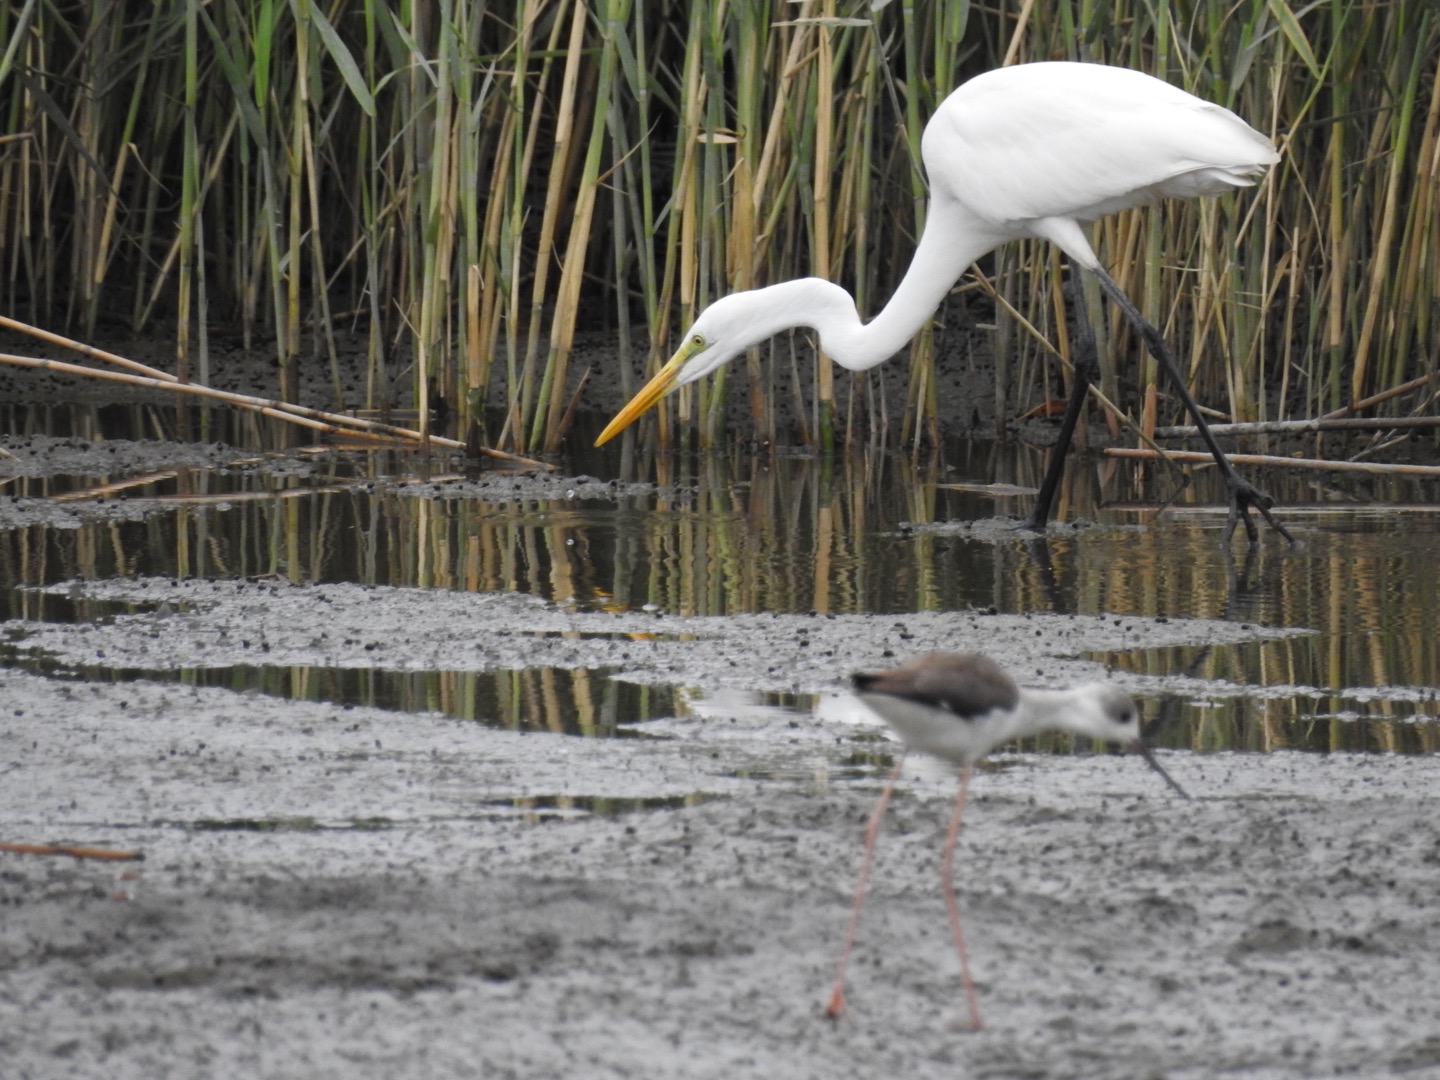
{"points": [[170, 624], [332, 891]]}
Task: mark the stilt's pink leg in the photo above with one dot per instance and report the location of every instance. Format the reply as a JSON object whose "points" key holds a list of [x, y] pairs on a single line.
{"points": [[952, 905], [872, 830]]}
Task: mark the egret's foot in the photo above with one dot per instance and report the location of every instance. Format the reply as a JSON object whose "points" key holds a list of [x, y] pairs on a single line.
{"points": [[1243, 497], [837, 1002], [1035, 523]]}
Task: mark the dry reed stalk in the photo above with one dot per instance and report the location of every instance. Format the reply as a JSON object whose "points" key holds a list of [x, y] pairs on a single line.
{"points": [[822, 264], [1385, 239], [1275, 461], [532, 397], [86, 350], [98, 491], [317, 419], [484, 297], [1385, 395], [572, 272], [1279, 427], [74, 851]]}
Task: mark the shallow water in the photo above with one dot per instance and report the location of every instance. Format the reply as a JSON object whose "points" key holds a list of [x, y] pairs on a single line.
{"points": [[732, 534], [425, 882]]}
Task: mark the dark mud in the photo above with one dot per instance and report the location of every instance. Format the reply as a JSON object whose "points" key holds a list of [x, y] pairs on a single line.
{"points": [[333, 891]]}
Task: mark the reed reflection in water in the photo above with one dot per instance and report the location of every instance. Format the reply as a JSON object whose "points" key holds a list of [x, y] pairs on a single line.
{"points": [[863, 533]]}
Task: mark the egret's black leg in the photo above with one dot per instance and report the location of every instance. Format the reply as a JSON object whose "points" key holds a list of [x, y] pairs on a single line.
{"points": [[1086, 372], [1241, 493]]}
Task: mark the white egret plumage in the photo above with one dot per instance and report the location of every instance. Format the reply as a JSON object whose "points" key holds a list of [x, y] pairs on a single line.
{"points": [[1031, 151]]}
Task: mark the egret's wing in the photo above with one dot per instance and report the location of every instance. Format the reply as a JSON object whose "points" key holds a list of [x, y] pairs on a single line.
{"points": [[1079, 141]]}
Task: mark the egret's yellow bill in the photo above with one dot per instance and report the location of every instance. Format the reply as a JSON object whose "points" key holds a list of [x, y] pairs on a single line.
{"points": [[663, 382]]}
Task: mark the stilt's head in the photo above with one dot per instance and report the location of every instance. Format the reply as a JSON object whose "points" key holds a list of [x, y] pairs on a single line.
{"points": [[1106, 712], [1103, 711]]}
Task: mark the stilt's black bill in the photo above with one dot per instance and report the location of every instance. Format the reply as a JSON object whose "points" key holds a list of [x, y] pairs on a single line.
{"points": [[1149, 756]]}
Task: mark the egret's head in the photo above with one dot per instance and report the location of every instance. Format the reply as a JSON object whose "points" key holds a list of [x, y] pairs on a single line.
{"points": [[1107, 712], [724, 330]]}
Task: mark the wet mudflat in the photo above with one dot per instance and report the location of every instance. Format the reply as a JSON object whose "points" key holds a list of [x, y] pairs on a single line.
{"points": [[521, 776]]}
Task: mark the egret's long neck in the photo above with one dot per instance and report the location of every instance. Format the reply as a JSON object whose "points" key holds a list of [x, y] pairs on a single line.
{"points": [[952, 240]]}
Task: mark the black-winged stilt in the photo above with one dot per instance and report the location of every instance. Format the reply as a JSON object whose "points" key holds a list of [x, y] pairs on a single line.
{"points": [[959, 707]]}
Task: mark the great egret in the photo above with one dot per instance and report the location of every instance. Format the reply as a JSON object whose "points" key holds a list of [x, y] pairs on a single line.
{"points": [[959, 707], [1027, 151]]}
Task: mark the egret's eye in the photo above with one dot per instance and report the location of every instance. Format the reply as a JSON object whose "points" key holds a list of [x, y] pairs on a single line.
{"points": [[698, 341]]}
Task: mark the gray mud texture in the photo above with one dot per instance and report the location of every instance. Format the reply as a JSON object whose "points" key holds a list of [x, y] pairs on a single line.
{"points": [[333, 891]]}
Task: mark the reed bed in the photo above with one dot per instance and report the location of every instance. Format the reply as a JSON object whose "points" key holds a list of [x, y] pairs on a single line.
{"points": [[465, 189]]}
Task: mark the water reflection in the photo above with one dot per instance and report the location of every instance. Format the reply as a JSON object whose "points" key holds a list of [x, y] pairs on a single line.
{"points": [[565, 701], [532, 809], [857, 533]]}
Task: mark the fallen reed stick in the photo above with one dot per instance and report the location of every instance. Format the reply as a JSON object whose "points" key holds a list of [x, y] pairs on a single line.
{"points": [[272, 409], [87, 350], [1281, 427], [1383, 396], [1275, 461], [218, 499], [100, 491], [109, 854], [317, 419]]}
